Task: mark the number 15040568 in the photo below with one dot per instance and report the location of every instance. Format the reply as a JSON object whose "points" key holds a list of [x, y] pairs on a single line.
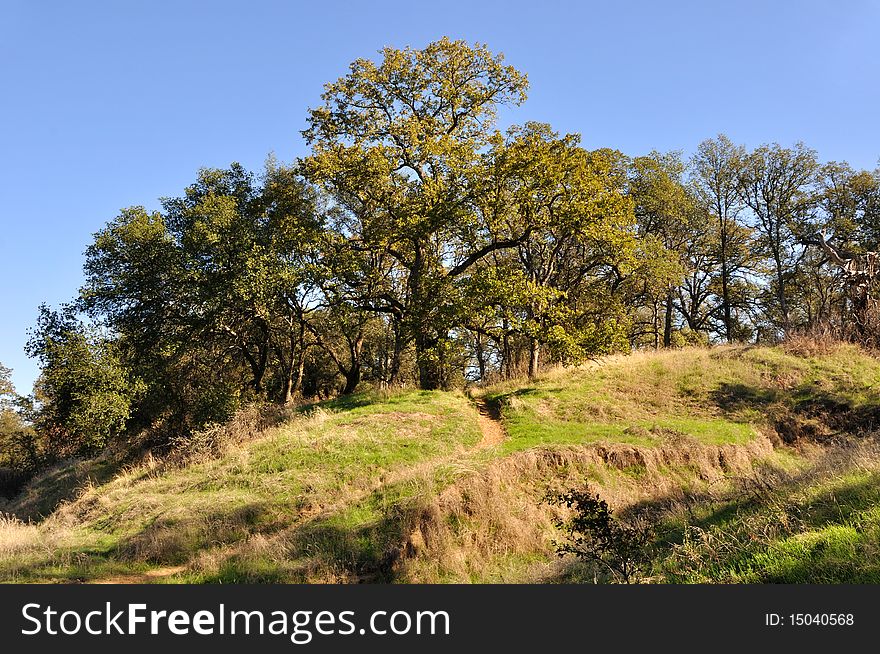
{"points": [[809, 620]]}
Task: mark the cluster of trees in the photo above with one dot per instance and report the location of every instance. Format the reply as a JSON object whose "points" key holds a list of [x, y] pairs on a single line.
{"points": [[18, 440], [419, 245]]}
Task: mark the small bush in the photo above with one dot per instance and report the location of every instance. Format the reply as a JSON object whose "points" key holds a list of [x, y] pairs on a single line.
{"points": [[595, 535]]}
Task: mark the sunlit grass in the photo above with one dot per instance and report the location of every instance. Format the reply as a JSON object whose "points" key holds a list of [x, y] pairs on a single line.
{"points": [[332, 455], [391, 486]]}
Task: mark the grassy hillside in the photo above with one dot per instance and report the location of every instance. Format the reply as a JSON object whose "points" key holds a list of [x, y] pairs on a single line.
{"points": [[743, 459]]}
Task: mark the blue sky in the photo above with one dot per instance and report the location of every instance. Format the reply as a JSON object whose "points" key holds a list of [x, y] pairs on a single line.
{"points": [[112, 104]]}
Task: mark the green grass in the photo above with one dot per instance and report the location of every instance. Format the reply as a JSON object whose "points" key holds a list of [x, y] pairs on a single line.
{"points": [[335, 493], [716, 396], [332, 455], [528, 431], [806, 531]]}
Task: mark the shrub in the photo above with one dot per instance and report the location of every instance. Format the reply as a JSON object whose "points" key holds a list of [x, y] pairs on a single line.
{"points": [[593, 534]]}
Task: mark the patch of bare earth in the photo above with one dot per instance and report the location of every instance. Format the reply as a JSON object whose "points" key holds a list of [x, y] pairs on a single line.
{"points": [[142, 578], [489, 421]]}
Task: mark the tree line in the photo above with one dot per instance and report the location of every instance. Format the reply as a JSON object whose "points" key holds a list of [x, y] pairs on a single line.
{"points": [[419, 245]]}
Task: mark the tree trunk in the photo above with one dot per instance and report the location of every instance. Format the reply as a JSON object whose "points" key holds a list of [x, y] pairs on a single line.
{"points": [[287, 390], [430, 368], [534, 357], [257, 363], [656, 321], [298, 380], [353, 374], [783, 302], [352, 378], [506, 354], [725, 296], [397, 352], [430, 373], [667, 321], [260, 372], [481, 357], [860, 313], [780, 290], [294, 374]]}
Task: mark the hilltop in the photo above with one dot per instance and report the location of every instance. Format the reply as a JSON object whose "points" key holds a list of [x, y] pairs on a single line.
{"points": [[753, 464]]}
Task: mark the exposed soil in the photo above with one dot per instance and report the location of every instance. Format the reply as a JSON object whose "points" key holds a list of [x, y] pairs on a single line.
{"points": [[489, 421], [144, 578]]}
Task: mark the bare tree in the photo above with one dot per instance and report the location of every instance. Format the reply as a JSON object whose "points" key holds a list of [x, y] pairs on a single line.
{"points": [[859, 270]]}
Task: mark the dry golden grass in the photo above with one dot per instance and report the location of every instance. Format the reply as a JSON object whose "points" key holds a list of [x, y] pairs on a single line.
{"points": [[248, 424], [17, 536], [817, 342], [498, 513], [249, 488]]}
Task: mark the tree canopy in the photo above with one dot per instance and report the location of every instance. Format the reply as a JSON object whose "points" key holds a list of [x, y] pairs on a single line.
{"points": [[419, 244]]}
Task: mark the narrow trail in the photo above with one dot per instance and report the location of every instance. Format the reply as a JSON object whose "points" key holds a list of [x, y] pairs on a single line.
{"points": [[489, 421], [142, 578]]}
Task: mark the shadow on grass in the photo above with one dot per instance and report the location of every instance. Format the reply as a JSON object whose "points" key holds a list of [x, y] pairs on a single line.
{"points": [[734, 398], [162, 541], [62, 482], [368, 553], [175, 540], [767, 488], [327, 550], [810, 527], [805, 411], [790, 539]]}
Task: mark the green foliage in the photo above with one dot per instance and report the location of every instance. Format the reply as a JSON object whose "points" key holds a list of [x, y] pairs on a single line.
{"points": [[19, 450], [723, 256], [208, 299], [85, 392], [554, 289], [776, 184], [419, 244], [402, 148], [7, 390], [593, 534]]}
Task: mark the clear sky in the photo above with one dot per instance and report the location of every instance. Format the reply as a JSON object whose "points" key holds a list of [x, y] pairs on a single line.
{"points": [[111, 104]]}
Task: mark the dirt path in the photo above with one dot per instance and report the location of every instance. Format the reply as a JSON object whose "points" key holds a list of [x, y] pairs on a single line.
{"points": [[142, 578], [489, 421]]}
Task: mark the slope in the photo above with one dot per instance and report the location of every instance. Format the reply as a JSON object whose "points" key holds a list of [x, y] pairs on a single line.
{"points": [[406, 487]]}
